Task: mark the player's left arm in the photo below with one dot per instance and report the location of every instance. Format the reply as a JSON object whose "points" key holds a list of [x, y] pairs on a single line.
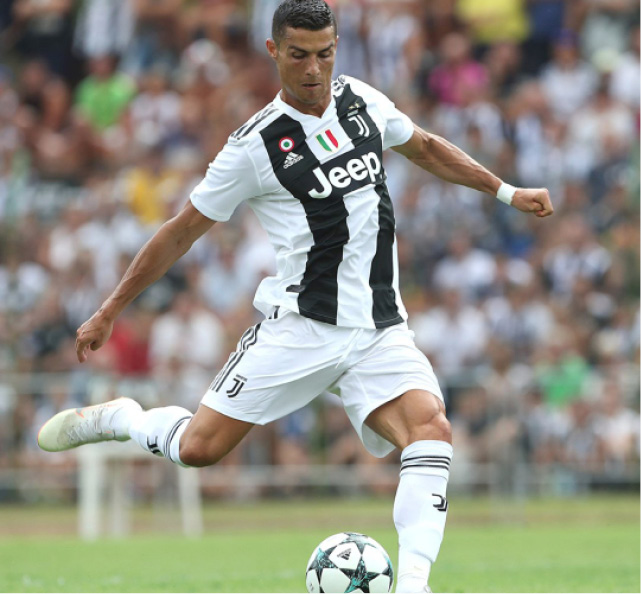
{"points": [[443, 159]]}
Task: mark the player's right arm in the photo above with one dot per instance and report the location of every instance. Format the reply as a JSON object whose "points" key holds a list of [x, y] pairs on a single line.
{"points": [[154, 259], [450, 163]]}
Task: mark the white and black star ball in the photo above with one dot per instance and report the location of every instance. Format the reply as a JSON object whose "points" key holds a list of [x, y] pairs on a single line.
{"points": [[349, 562]]}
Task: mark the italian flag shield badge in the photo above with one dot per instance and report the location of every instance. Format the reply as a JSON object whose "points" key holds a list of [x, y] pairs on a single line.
{"points": [[328, 141]]}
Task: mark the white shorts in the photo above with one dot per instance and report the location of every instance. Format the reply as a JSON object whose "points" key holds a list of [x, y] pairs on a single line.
{"points": [[287, 360]]}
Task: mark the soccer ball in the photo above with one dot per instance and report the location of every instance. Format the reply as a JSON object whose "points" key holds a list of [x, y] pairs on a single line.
{"points": [[349, 562]]}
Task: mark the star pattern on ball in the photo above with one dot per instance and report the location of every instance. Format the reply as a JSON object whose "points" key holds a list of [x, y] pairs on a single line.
{"points": [[360, 540], [359, 578], [322, 561]]}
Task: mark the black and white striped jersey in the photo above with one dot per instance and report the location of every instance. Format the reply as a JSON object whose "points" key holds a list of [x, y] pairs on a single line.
{"points": [[317, 185]]}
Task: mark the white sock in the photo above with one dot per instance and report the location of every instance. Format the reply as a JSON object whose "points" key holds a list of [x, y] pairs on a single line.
{"points": [[121, 420], [159, 431], [420, 510]]}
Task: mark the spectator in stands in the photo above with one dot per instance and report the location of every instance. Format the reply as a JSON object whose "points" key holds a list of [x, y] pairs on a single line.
{"points": [[157, 36], [617, 426], [41, 29], [492, 21], [560, 370], [520, 318], [128, 352], [104, 27], [394, 45], [567, 80], [583, 452], [604, 24], [504, 65], [601, 132], [577, 254], [466, 269], [187, 344], [543, 429], [48, 336], [22, 284], [547, 18], [451, 317], [104, 95], [225, 271], [150, 187], [458, 77], [504, 379], [154, 114], [625, 80]]}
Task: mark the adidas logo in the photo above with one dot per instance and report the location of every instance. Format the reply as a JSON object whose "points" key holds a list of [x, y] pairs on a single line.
{"points": [[345, 554], [352, 110], [292, 159]]}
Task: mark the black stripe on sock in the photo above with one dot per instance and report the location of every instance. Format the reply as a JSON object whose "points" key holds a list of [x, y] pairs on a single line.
{"points": [[442, 462], [171, 434], [448, 458], [406, 466]]}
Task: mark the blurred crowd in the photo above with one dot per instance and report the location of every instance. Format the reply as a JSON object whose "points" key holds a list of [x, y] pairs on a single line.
{"points": [[110, 111]]}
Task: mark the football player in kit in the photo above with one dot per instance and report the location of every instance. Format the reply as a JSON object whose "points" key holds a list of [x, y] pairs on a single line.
{"points": [[310, 165]]}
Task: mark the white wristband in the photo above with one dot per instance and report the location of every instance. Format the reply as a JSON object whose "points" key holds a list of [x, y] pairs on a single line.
{"points": [[506, 193]]}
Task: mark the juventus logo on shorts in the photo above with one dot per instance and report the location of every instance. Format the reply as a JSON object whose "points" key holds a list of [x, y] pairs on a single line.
{"points": [[239, 382]]}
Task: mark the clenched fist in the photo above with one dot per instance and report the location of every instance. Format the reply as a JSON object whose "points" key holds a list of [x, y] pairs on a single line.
{"points": [[534, 200]]}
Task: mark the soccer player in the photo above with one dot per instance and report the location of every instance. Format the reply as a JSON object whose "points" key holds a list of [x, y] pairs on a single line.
{"points": [[310, 165]]}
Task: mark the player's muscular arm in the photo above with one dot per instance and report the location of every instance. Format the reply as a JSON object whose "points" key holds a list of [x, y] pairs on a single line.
{"points": [[154, 259], [443, 159]]}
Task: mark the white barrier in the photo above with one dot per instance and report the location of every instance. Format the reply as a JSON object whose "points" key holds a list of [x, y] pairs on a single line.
{"points": [[103, 469]]}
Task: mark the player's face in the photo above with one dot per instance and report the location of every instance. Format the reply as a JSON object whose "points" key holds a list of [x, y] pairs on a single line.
{"points": [[305, 61]]}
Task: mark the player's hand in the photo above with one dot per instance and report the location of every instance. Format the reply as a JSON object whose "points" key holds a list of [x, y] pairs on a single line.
{"points": [[534, 200], [92, 335]]}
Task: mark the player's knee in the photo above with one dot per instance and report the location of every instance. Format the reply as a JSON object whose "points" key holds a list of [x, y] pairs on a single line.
{"points": [[432, 425], [198, 452]]}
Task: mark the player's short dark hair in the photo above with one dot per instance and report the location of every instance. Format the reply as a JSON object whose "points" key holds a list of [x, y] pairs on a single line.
{"points": [[312, 15]]}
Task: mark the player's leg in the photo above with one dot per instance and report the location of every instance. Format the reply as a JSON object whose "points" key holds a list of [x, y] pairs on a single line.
{"points": [[210, 436], [171, 431], [393, 399], [201, 439], [416, 424]]}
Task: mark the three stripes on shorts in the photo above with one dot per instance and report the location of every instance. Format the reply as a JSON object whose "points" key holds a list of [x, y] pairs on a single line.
{"points": [[248, 339]]}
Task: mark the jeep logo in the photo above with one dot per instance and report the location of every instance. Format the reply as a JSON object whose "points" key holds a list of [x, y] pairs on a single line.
{"points": [[356, 169]]}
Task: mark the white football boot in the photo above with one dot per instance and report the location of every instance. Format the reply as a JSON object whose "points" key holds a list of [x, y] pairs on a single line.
{"points": [[78, 426]]}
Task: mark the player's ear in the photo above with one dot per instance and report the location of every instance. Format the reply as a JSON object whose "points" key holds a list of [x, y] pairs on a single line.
{"points": [[272, 48]]}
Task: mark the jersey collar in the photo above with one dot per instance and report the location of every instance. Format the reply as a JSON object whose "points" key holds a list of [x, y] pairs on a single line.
{"points": [[299, 115]]}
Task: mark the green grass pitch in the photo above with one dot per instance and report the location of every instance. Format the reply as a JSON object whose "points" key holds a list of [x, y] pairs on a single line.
{"points": [[583, 545]]}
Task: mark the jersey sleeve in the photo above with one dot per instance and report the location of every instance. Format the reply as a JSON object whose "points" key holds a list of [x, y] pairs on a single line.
{"points": [[398, 126], [231, 178]]}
